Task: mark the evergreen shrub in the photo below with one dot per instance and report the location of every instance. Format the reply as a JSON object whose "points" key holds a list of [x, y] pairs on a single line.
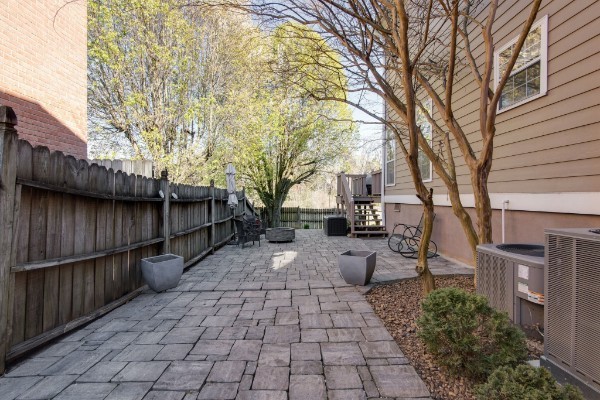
{"points": [[525, 383], [467, 336]]}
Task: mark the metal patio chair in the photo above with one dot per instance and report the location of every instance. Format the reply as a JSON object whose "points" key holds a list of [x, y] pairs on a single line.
{"points": [[406, 240], [248, 229]]}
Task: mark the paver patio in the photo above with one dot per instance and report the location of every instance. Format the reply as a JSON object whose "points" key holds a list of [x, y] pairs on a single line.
{"points": [[269, 322]]}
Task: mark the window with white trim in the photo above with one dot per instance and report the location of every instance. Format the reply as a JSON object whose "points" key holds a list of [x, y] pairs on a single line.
{"points": [[528, 79], [424, 163], [390, 159]]}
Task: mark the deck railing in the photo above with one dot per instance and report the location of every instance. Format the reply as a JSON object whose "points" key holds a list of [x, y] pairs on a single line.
{"points": [[376, 183], [345, 197]]}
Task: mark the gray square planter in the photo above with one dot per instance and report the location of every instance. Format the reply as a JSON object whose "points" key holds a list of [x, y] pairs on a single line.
{"points": [[357, 266], [162, 272]]}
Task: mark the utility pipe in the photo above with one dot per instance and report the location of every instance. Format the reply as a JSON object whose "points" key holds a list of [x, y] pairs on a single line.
{"points": [[504, 208]]}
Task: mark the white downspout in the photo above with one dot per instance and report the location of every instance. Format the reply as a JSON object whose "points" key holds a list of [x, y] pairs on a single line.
{"points": [[504, 208]]}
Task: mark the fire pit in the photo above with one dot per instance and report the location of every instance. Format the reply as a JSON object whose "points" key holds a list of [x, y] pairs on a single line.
{"points": [[280, 234]]}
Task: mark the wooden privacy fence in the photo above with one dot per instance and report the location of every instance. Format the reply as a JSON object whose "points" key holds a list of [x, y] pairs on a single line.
{"points": [[72, 236], [297, 217]]}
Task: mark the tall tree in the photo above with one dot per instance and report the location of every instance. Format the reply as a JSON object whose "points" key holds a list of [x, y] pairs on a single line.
{"points": [[292, 135], [168, 82]]}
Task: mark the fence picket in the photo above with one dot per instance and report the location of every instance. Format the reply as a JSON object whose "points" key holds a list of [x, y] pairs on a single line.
{"points": [[119, 269], [101, 182], [67, 244], [37, 246], [109, 240], [54, 230]]}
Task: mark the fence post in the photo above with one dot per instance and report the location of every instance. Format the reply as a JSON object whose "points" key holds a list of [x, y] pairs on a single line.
{"points": [[8, 179], [212, 216], [166, 219]]}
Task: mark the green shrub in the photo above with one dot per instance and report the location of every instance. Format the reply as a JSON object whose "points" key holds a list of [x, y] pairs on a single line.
{"points": [[525, 383], [306, 226], [467, 336]]}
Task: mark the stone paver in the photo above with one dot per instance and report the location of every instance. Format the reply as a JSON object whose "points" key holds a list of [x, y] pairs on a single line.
{"points": [[48, 387], [184, 375], [271, 322], [141, 371], [306, 351], [218, 391], [307, 387], [227, 371], [102, 372], [275, 355], [387, 349], [398, 381], [245, 350], [88, 391], [282, 334], [130, 391], [271, 378], [343, 377], [342, 354]]}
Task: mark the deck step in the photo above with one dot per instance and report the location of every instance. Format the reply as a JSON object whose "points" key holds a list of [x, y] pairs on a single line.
{"points": [[377, 233]]}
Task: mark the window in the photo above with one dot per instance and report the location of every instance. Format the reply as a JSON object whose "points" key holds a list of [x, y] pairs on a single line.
{"points": [[390, 159], [424, 162], [528, 79]]}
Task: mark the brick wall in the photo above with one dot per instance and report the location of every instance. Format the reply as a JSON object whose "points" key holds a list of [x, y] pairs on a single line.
{"points": [[43, 71]]}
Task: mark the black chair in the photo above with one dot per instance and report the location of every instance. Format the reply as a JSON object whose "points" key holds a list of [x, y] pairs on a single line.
{"points": [[248, 229], [406, 240]]}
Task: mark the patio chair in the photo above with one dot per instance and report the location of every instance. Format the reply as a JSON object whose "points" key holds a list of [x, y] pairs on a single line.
{"points": [[248, 229], [406, 240]]}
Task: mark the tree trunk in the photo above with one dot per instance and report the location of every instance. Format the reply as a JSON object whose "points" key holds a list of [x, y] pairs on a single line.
{"points": [[276, 206], [483, 206], [276, 218], [422, 267], [464, 218]]}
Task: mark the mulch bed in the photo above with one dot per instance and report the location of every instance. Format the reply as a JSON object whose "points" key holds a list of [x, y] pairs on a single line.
{"points": [[399, 306]]}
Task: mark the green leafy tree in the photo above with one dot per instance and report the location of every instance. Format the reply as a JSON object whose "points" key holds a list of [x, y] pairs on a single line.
{"points": [[292, 136], [166, 82]]}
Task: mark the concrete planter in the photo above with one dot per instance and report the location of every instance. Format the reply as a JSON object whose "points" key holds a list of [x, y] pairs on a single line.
{"points": [[162, 272], [280, 234], [357, 266]]}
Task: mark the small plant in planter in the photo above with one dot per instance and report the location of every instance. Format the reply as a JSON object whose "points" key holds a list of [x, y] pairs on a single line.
{"points": [[467, 336], [306, 226], [525, 383]]}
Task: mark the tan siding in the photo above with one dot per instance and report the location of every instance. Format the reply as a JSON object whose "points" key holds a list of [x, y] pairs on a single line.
{"points": [[550, 144]]}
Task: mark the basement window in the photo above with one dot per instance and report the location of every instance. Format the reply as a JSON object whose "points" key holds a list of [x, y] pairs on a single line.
{"points": [[528, 79]]}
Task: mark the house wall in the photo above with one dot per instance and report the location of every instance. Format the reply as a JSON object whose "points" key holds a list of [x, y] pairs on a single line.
{"points": [[43, 73], [550, 144], [547, 147], [520, 226]]}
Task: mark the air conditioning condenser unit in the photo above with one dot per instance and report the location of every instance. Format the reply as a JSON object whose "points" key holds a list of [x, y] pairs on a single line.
{"points": [[572, 320]]}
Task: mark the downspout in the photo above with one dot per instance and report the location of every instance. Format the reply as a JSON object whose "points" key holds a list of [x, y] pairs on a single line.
{"points": [[504, 208]]}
